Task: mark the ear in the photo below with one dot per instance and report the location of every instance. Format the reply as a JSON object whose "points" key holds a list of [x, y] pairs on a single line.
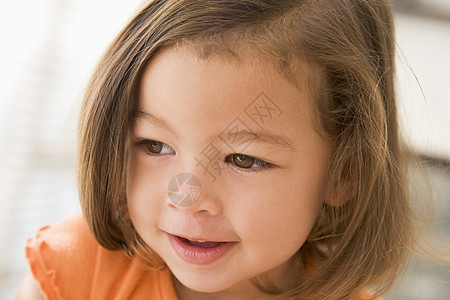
{"points": [[341, 192]]}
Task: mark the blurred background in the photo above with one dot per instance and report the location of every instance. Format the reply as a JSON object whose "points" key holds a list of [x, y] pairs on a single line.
{"points": [[49, 49]]}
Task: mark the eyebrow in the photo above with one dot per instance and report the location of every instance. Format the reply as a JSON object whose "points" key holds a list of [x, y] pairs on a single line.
{"points": [[246, 136], [156, 121], [239, 137]]}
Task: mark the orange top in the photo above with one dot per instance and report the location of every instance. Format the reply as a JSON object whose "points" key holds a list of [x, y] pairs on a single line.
{"points": [[69, 263]]}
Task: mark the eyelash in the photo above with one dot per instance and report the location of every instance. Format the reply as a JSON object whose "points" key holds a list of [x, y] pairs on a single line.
{"points": [[262, 164], [146, 143]]}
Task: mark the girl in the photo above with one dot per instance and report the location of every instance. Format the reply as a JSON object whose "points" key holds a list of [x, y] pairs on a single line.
{"points": [[237, 150]]}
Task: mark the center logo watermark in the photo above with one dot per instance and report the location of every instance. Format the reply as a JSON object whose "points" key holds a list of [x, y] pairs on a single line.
{"points": [[184, 189]]}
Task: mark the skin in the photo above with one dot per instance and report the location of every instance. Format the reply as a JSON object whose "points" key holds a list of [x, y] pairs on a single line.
{"points": [[267, 212], [29, 289]]}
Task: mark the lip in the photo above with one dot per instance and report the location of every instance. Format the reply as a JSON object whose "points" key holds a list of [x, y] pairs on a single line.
{"points": [[198, 255]]}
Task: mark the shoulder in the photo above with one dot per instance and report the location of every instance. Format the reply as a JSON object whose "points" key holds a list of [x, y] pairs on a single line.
{"points": [[63, 254], [70, 238], [67, 262], [67, 244]]}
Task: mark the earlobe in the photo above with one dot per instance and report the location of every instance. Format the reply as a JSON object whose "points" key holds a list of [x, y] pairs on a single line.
{"points": [[341, 192]]}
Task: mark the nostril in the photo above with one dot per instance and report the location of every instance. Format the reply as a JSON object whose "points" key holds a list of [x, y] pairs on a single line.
{"points": [[171, 205]]}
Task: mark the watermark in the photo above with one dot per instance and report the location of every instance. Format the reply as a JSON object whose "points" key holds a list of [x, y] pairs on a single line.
{"points": [[232, 138], [238, 135], [209, 161], [184, 189], [262, 109]]}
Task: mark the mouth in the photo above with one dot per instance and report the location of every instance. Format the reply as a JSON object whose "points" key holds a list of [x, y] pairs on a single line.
{"points": [[200, 243], [198, 251]]}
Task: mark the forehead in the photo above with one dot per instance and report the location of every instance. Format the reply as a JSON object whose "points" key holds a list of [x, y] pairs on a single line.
{"points": [[215, 90]]}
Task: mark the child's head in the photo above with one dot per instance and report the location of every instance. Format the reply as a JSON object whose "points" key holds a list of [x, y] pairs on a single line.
{"points": [[295, 99]]}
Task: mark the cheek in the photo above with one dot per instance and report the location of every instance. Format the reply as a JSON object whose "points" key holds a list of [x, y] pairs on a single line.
{"points": [[145, 191], [280, 213], [281, 216]]}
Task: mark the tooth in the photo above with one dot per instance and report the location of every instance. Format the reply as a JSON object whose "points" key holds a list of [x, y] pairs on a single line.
{"points": [[201, 241]]}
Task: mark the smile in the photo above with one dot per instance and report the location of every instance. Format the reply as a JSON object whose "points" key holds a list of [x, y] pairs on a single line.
{"points": [[199, 252], [201, 244]]}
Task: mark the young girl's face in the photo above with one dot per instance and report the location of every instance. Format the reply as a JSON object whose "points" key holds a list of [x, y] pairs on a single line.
{"points": [[246, 138]]}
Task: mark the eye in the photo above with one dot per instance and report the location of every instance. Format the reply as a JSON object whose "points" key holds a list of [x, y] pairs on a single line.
{"points": [[247, 162], [157, 148]]}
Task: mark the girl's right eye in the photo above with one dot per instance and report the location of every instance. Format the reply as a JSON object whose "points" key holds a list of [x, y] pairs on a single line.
{"points": [[157, 148]]}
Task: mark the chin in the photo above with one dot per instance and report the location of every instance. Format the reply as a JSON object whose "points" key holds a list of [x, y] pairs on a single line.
{"points": [[205, 284]]}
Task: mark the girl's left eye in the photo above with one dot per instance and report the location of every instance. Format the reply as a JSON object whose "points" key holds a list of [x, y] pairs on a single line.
{"points": [[247, 162], [157, 148]]}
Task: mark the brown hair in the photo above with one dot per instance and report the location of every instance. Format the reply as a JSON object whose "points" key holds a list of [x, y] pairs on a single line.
{"points": [[363, 242]]}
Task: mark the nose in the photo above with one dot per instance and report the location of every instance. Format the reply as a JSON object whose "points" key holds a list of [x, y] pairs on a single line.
{"points": [[191, 194]]}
